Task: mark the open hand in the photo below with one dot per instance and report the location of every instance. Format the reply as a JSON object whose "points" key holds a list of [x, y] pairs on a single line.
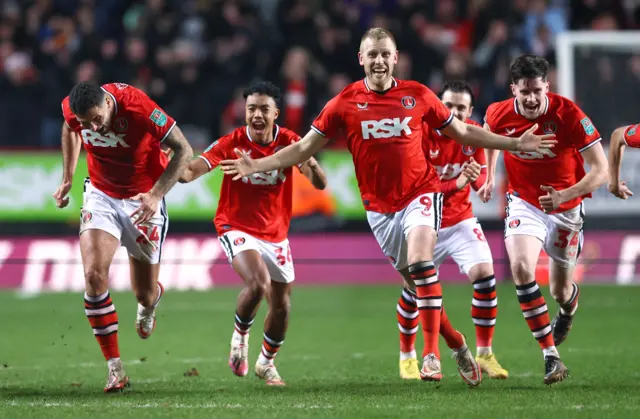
{"points": [[147, 209], [532, 142], [240, 167]]}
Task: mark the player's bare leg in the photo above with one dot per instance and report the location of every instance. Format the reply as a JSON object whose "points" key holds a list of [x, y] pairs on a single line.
{"points": [[255, 275], [523, 253], [97, 248], [484, 309], [275, 328], [148, 292], [408, 322], [566, 292]]}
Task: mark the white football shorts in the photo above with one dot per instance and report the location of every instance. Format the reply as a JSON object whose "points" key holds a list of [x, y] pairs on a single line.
{"points": [[102, 212], [465, 243], [277, 256], [561, 234], [391, 230]]}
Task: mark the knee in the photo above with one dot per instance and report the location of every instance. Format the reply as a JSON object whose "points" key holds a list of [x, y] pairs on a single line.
{"points": [[523, 271], [258, 286], [96, 280]]}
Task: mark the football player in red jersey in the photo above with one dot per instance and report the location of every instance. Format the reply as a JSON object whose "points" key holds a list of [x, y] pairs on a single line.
{"points": [[545, 208], [252, 222], [382, 118], [121, 129], [460, 168], [625, 136]]}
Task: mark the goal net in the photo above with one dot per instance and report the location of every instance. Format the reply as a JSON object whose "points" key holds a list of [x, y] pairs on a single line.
{"points": [[600, 71]]}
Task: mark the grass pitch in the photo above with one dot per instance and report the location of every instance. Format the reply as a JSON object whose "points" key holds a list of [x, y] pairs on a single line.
{"points": [[340, 359]]}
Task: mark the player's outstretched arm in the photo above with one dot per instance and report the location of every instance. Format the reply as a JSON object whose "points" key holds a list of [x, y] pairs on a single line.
{"points": [[312, 171], [596, 177], [182, 152], [289, 156], [196, 168], [616, 150], [471, 135], [71, 145]]}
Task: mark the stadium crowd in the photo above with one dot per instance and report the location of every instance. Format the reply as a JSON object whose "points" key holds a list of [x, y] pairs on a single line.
{"points": [[194, 56]]}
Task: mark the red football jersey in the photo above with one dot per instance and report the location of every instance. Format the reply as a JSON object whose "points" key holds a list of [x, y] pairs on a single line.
{"points": [[384, 135], [260, 204], [560, 167], [127, 160], [632, 136], [447, 157]]}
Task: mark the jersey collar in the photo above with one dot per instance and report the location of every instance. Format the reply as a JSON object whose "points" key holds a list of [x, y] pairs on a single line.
{"points": [[546, 105], [115, 102], [275, 134], [394, 83]]}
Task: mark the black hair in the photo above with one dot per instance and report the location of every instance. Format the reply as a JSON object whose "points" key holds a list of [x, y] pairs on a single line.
{"points": [[529, 66], [458, 86], [85, 96], [263, 88]]}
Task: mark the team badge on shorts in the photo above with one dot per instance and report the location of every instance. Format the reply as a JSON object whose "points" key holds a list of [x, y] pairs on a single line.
{"points": [[391, 259], [158, 117], [85, 216], [121, 125], [632, 130], [549, 127], [408, 102], [468, 150], [514, 223], [239, 241]]}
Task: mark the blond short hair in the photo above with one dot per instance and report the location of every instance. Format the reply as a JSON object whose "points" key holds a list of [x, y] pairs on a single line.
{"points": [[376, 34]]}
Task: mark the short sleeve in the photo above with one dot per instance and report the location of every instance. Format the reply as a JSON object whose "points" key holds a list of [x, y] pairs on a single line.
{"points": [[632, 136], [155, 119], [216, 152], [489, 117], [329, 122], [436, 115], [584, 134], [69, 117]]}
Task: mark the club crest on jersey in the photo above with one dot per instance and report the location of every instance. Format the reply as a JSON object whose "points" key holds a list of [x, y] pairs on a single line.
{"points": [[514, 223], [408, 102], [589, 129], [468, 150], [549, 127], [120, 125], [158, 117], [239, 241], [434, 153]]}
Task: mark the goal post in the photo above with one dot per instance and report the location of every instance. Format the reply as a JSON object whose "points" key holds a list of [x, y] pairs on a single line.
{"points": [[568, 42]]}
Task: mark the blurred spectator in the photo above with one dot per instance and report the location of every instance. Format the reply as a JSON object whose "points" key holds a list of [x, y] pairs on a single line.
{"points": [[195, 56]]}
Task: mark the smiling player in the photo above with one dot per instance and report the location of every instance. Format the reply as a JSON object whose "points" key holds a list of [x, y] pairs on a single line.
{"points": [[545, 208]]}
